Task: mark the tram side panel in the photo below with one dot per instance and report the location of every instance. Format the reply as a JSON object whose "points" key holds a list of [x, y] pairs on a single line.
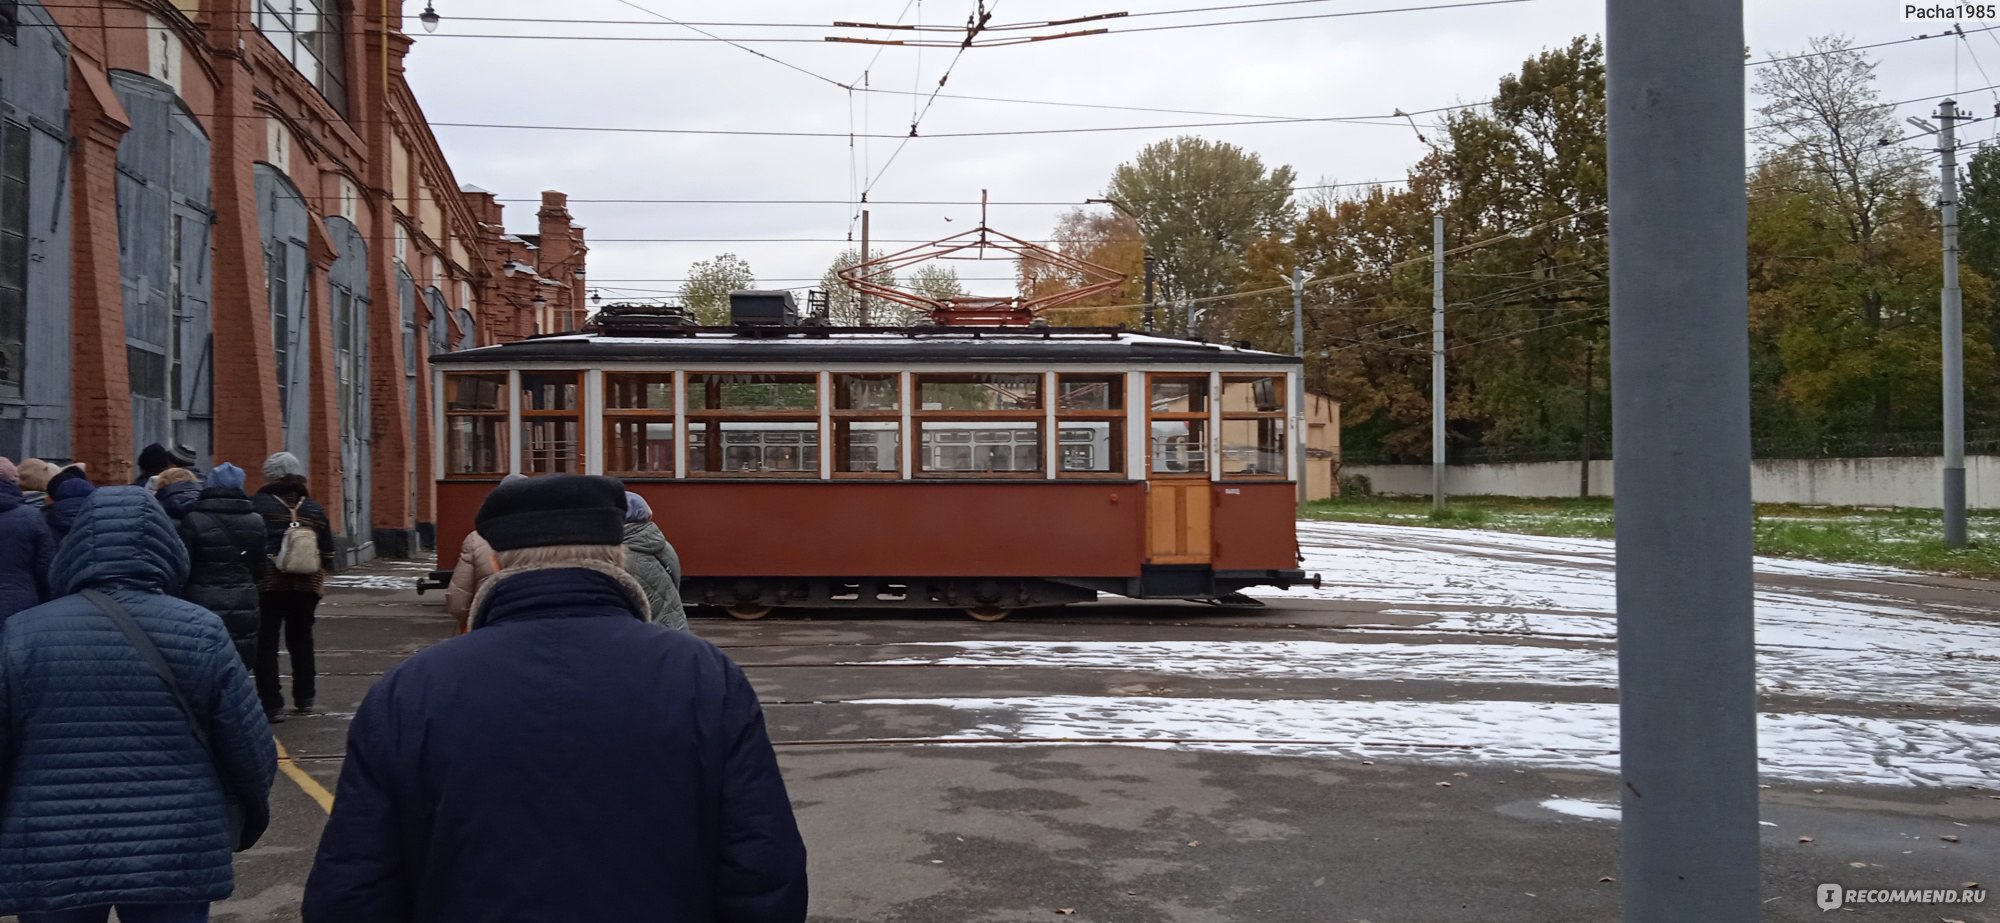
{"points": [[763, 528]]}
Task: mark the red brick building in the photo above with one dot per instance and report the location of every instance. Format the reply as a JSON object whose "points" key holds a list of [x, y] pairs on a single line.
{"points": [[226, 224]]}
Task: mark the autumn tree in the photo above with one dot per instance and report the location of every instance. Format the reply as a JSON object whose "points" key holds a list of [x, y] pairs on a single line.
{"points": [[705, 291], [1521, 184], [1199, 206], [1834, 201], [1101, 237]]}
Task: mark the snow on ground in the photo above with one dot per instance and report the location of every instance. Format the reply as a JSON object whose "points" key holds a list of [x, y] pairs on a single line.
{"points": [[1887, 678], [1584, 808], [1825, 749], [1531, 584], [371, 582]]}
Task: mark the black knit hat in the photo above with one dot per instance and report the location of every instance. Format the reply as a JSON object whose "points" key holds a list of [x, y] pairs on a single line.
{"points": [[561, 509]]}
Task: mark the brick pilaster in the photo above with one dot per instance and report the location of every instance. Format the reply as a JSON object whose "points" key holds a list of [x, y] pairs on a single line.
{"points": [[100, 385], [394, 511], [249, 423]]}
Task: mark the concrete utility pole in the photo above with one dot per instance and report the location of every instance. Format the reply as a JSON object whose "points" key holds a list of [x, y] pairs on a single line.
{"points": [[1952, 320], [1681, 434], [1437, 363], [1147, 320], [861, 298], [1299, 382]]}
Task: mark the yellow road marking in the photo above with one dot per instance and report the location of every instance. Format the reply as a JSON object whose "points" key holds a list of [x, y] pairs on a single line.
{"points": [[305, 781]]}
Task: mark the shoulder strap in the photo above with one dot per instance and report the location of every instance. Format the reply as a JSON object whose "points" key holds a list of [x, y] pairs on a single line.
{"points": [[293, 508], [150, 652]]}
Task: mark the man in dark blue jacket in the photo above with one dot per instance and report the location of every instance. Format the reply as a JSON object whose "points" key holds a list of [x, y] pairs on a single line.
{"points": [[567, 759], [109, 797]]}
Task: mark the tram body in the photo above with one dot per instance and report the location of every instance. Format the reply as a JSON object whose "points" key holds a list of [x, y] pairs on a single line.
{"points": [[983, 470]]}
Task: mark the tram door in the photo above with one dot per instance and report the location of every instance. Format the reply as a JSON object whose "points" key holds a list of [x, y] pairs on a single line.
{"points": [[1179, 499]]}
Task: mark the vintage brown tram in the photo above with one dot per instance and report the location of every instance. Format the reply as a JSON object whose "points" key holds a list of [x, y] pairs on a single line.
{"points": [[980, 469]]}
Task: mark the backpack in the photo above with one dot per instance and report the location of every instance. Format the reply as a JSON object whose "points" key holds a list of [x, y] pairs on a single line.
{"points": [[298, 550]]}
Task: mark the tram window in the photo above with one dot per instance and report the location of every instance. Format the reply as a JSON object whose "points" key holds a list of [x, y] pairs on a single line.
{"points": [[549, 391], [550, 447], [960, 447], [475, 445], [1091, 425], [639, 424], [1180, 447], [795, 393], [750, 448], [868, 393], [980, 391], [1253, 427], [652, 391], [551, 422], [475, 424], [1253, 447], [1180, 394], [1085, 393], [867, 447], [1252, 395], [636, 447], [1092, 447], [476, 393]]}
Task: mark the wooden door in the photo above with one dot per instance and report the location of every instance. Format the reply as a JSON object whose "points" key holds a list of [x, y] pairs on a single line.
{"points": [[1178, 522]]}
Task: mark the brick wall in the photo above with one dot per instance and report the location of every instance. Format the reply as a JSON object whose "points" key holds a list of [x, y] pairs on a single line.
{"points": [[240, 86]]}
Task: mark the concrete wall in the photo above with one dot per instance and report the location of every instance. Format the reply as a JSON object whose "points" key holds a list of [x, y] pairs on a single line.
{"points": [[1912, 482]]}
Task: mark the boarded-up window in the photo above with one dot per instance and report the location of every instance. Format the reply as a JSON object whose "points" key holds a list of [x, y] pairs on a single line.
{"points": [[13, 256]]}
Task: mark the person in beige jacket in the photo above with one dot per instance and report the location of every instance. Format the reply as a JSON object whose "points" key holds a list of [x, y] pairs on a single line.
{"points": [[476, 565]]}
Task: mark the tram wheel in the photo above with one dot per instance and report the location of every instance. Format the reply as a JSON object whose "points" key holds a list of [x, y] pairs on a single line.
{"points": [[748, 612], [987, 613]]}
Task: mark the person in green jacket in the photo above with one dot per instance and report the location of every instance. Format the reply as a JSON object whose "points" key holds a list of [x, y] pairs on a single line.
{"points": [[653, 563]]}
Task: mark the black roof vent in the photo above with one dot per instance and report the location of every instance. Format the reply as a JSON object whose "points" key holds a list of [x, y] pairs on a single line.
{"points": [[763, 309]]}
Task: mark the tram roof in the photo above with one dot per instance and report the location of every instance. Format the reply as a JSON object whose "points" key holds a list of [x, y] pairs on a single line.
{"points": [[997, 346]]}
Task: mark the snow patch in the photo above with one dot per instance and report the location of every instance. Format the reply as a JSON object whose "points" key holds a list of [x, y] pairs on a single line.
{"points": [[1578, 807], [1803, 672], [1551, 736]]}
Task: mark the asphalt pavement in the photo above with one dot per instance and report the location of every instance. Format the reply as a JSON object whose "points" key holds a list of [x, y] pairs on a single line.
{"points": [[939, 774]]}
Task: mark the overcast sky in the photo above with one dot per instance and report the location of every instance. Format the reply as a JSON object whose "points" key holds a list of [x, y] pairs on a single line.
{"points": [[1351, 66]]}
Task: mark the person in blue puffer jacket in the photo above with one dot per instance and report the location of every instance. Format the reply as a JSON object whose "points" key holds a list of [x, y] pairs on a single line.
{"points": [[109, 800], [26, 547]]}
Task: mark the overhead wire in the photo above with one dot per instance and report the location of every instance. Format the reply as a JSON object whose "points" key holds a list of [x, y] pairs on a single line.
{"points": [[973, 25], [574, 200], [735, 44]]}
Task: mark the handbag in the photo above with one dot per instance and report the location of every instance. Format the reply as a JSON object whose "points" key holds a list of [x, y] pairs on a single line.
{"points": [[298, 550], [244, 828]]}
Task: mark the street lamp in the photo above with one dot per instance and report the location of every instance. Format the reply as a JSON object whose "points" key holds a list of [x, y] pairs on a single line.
{"points": [[429, 18]]}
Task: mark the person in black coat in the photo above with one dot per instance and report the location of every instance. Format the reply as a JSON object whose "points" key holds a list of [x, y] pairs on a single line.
{"points": [[287, 603], [567, 759], [156, 459], [68, 491], [224, 536]]}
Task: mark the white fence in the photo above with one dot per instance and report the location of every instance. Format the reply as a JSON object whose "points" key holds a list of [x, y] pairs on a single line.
{"points": [[1911, 482]]}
